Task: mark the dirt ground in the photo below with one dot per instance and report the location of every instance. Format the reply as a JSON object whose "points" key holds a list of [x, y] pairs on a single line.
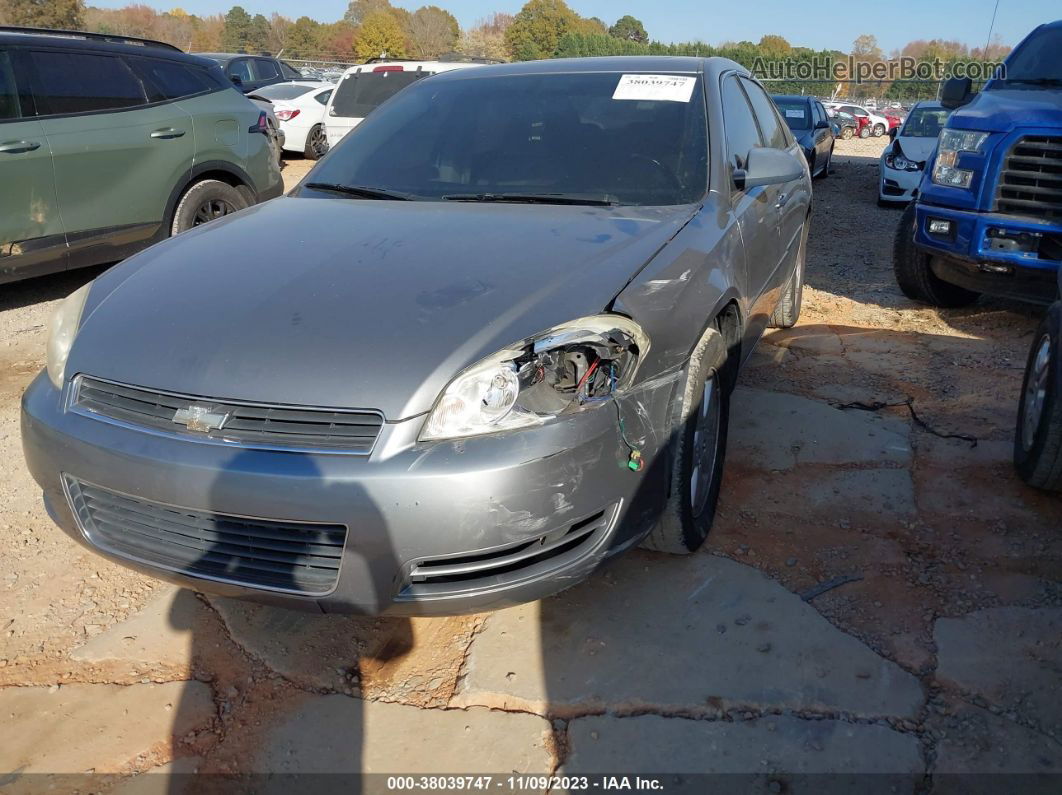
{"points": [[941, 531]]}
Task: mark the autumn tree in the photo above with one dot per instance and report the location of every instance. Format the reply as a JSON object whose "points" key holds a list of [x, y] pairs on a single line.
{"points": [[866, 48], [774, 44], [629, 28], [538, 27], [380, 34], [337, 40], [432, 32], [64, 14], [359, 10], [207, 33], [278, 32], [486, 39]]}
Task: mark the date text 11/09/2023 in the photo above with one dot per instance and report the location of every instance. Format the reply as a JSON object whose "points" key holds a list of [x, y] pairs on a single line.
{"points": [[522, 783]]}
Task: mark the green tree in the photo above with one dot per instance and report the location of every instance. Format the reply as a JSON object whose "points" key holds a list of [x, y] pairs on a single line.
{"points": [[303, 40], [537, 29], [629, 28], [380, 34], [258, 34], [65, 14], [237, 33]]}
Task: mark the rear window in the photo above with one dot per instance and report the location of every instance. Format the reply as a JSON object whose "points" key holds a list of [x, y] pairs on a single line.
{"points": [[168, 80], [282, 91], [795, 114], [73, 82], [9, 103], [361, 93], [266, 70]]}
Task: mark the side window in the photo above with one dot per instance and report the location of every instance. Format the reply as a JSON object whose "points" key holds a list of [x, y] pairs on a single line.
{"points": [[74, 82], [265, 70], [767, 115], [822, 112], [323, 97], [9, 103], [167, 80], [241, 68], [288, 73], [741, 131]]}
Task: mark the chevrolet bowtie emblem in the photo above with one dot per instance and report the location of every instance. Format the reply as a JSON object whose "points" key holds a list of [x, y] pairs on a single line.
{"points": [[200, 419]]}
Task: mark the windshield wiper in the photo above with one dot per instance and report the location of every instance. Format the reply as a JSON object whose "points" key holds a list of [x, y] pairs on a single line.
{"points": [[360, 191], [1036, 81], [531, 198]]}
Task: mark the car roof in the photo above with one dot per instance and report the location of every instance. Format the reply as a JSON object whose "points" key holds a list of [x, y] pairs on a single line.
{"points": [[793, 98], [15, 36], [632, 64], [928, 103]]}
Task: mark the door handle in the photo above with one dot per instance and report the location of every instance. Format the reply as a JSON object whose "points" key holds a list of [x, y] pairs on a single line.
{"points": [[782, 199], [18, 147], [167, 133]]}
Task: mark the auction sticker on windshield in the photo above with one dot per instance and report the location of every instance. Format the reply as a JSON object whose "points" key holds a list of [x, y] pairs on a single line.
{"points": [[669, 88]]}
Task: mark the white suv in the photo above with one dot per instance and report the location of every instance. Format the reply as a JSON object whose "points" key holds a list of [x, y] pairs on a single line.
{"points": [[363, 88]]}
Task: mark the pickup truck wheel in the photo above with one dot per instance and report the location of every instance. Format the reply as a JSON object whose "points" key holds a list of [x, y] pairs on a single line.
{"points": [[787, 313], [205, 201], [916, 279], [698, 449], [1038, 436]]}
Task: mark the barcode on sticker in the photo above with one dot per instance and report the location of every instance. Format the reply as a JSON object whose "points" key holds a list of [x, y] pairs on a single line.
{"points": [[668, 88]]}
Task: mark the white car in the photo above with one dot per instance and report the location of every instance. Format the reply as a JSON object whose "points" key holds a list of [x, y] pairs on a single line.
{"points": [[905, 158], [363, 88], [300, 109], [877, 126]]}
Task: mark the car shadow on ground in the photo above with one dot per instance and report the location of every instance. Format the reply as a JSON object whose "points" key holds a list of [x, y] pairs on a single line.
{"points": [[46, 288]]}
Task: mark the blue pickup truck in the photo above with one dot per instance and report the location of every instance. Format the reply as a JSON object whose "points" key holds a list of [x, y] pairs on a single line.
{"points": [[989, 213]]}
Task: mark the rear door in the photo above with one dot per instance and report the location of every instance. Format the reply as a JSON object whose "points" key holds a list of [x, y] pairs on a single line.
{"points": [[753, 207], [118, 153], [823, 137], [240, 69], [265, 72], [31, 229]]}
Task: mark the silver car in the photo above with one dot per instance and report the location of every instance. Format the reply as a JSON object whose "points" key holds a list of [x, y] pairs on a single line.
{"points": [[486, 344]]}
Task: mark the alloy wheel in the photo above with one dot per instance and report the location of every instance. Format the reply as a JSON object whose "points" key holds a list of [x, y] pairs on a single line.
{"points": [[705, 447], [318, 141], [1036, 392], [210, 210]]}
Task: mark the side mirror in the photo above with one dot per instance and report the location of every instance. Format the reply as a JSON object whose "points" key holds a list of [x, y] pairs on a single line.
{"points": [[766, 166], [955, 92], [893, 131], [822, 125]]}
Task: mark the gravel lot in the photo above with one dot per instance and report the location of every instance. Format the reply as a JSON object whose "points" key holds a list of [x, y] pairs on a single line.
{"points": [[948, 622]]}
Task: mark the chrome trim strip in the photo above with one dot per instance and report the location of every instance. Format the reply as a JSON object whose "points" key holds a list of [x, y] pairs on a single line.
{"points": [[74, 408]]}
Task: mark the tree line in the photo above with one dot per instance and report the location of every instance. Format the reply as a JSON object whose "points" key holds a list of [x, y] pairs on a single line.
{"points": [[541, 29]]}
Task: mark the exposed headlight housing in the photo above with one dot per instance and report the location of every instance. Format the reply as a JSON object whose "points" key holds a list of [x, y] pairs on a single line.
{"points": [[900, 163], [950, 145], [569, 368], [61, 332]]}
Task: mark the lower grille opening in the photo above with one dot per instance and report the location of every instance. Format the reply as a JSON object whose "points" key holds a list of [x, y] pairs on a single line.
{"points": [[293, 557], [437, 576]]}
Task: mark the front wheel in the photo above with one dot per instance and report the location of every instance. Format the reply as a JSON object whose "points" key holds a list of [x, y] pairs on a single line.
{"points": [[879, 130], [847, 133], [864, 133], [698, 449], [316, 143], [913, 271], [206, 201], [1038, 435]]}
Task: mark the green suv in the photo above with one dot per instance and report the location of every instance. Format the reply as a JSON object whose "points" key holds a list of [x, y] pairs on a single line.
{"points": [[109, 144]]}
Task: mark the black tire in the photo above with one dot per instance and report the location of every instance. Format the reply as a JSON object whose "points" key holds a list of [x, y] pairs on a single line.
{"points": [[879, 130], [203, 202], [847, 133], [1038, 433], [916, 279], [787, 312], [865, 132], [698, 450], [316, 143], [825, 166]]}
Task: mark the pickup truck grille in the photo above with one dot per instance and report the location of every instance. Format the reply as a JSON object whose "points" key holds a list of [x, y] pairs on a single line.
{"points": [[247, 424], [1030, 183]]}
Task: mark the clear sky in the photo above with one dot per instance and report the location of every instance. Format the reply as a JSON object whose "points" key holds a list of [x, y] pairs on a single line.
{"points": [[832, 24]]}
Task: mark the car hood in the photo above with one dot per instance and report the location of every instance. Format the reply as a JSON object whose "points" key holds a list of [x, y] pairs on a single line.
{"points": [[360, 304], [918, 149], [1001, 110]]}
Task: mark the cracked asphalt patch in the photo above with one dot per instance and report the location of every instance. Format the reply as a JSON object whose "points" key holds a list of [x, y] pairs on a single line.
{"points": [[937, 656]]}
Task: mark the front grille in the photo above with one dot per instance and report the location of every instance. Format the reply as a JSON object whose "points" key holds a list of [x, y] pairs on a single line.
{"points": [[1030, 183], [294, 557], [491, 568], [249, 424]]}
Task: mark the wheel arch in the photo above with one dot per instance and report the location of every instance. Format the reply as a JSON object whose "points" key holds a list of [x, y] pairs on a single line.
{"points": [[209, 169]]}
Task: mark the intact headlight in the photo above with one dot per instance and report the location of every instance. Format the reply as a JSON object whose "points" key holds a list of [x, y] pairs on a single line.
{"points": [[61, 332], [571, 367], [950, 145]]}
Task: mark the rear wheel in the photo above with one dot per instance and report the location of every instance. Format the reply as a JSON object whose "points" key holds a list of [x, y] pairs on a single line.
{"points": [[879, 130], [913, 272], [787, 313], [698, 452], [826, 166], [1038, 435], [847, 133], [206, 201], [316, 142], [864, 133]]}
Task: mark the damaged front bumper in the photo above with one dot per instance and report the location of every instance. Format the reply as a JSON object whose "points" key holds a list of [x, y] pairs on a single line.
{"points": [[413, 528]]}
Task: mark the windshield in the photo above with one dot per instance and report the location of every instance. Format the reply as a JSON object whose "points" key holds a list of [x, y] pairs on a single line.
{"points": [[283, 91], [548, 135], [795, 114], [924, 123], [361, 93], [1038, 59]]}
